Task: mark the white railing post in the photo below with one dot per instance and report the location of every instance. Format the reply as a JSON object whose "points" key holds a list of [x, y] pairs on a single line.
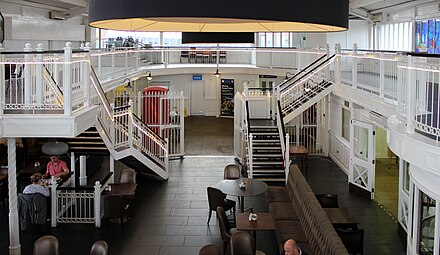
{"points": [[85, 72], [274, 103], [54, 201], [287, 156], [381, 75], [410, 98], [99, 63], [167, 144], [338, 64], [39, 75], [112, 127], [113, 60], [126, 60], [354, 67], [251, 168], [182, 123], [139, 104], [327, 69], [67, 79], [2, 82], [160, 115], [82, 170], [97, 202], [112, 168], [130, 124], [14, 237], [27, 75], [73, 167]]}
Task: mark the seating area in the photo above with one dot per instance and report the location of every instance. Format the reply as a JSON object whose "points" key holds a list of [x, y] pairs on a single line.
{"points": [[202, 56], [299, 216], [49, 245]]}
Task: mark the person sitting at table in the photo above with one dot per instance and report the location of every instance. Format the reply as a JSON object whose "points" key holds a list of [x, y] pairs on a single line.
{"points": [[36, 186], [56, 167], [291, 248]]}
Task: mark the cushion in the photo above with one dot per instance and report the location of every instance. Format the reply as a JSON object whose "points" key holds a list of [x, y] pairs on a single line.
{"points": [[282, 211], [289, 230], [276, 194]]}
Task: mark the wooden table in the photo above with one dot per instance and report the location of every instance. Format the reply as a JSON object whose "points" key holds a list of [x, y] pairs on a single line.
{"points": [[302, 153], [341, 218], [264, 222], [253, 187]]}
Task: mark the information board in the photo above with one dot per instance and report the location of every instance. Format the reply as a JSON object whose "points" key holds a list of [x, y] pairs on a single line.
{"points": [[227, 97]]}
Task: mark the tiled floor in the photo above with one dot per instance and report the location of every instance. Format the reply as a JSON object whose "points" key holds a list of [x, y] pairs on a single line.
{"points": [[170, 217]]}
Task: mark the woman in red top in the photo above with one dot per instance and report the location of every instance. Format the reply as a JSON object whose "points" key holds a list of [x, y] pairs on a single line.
{"points": [[56, 167]]}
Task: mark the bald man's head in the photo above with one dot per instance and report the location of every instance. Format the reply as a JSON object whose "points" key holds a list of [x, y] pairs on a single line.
{"points": [[290, 247]]}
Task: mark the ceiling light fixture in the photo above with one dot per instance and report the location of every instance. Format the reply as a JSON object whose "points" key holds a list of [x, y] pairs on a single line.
{"points": [[149, 77], [220, 16], [128, 86]]}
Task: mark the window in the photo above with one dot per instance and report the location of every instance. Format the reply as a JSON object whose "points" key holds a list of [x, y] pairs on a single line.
{"points": [[346, 117], [427, 225], [393, 36]]}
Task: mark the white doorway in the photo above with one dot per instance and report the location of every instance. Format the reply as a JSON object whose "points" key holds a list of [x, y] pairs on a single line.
{"points": [[197, 98]]}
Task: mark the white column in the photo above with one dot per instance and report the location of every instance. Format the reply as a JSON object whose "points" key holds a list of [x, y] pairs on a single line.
{"points": [[112, 168], [82, 170], [27, 75], [130, 124], [182, 123], [54, 201], [354, 66], [73, 168], [85, 71], [97, 202], [382, 74], [39, 76], [14, 237], [338, 64], [67, 79], [410, 98], [113, 60], [139, 104]]}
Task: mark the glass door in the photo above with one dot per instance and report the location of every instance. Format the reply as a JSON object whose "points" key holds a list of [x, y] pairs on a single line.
{"points": [[362, 158]]}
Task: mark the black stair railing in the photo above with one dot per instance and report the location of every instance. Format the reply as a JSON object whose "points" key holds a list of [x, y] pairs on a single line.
{"points": [[293, 83], [280, 115]]}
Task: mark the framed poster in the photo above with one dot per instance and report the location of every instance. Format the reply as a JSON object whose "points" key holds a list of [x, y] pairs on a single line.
{"points": [[431, 39], [418, 36], [437, 36], [227, 97], [2, 28]]}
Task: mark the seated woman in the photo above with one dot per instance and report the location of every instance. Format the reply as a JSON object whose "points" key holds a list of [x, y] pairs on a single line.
{"points": [[36, 186], [56, 167]]}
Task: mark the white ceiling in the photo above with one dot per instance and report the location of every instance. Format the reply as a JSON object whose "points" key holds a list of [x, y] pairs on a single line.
{"points": [[359, 9]]}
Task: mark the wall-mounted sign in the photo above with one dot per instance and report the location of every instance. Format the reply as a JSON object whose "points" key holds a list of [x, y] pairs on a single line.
{"points": [[268, 76], [197, 77], [227, 97], [2, 28]]}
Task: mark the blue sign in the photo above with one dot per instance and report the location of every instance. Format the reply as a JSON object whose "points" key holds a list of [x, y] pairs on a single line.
{"points": [[197, 77]]}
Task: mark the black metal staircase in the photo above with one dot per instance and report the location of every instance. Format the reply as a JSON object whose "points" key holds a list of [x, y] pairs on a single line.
{"points": [[267, 157]]}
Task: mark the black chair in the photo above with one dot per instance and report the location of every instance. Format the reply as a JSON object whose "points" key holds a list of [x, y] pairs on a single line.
{"points": [[217, 198], [115, 208], [100, 247], [353, 240], [328, 200], [46, 245], [226, 230], [241, 243], [210, 249], [184, 54], [128, 175]]}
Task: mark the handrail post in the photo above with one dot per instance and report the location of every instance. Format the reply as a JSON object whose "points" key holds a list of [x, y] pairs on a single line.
{"points": [[381, 75], [410, 98], [112, 56], [82, 170], [354, 66], [167, 145], [97, 202], [85, 71], [112, 126], [130, 124], [54, 201], [251, 168], [2, 81], [27, 75], [73, 167], [39, 75], [338, 64], [182, 123], [67, 79], [99, 63], [287, 156]]}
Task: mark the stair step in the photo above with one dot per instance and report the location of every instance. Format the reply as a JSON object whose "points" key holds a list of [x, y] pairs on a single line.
{"points": [[264, 127], [254, 164], [86, 138], [266, 155], [88, 148], [271, 179], [268, 171], [266, 140], [85, 143]]}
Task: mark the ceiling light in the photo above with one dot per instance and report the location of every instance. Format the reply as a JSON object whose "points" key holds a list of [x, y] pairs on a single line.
{"points": [[128, 86], [149, 77], [220, 16]]}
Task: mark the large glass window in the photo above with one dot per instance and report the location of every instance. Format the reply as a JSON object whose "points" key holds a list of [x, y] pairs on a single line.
{"points": [[346, 116], [394, 36], [427, 225]]}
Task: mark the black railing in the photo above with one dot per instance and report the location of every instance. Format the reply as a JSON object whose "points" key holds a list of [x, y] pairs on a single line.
{"points": [[307, 73], [53, 80], [247, 117], [280, 115]]}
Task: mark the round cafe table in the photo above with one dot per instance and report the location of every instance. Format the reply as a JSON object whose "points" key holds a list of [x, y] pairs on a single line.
{"points": [[253, 187]]}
